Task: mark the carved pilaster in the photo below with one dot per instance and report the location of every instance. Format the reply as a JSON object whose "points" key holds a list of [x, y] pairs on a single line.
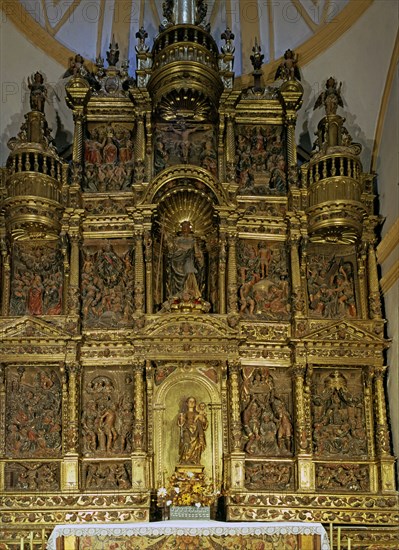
{"points": [[139, 273], [230, 149], [368, 377], [74, 270], [361, 269], [232, 274], [382, 431], [298, 301], [148, 150], [235, 417], [221, 159], [150, 418], [139, 458], [5, 278], [290, 122], [73, 372], [66, 270]]}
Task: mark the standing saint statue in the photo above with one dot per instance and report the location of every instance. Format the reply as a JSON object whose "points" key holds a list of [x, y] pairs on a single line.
{"points": [[186, 263], [193, 423]]}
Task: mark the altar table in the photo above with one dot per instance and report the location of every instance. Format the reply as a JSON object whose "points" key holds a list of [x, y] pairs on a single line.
{"points": [[187, 535]]}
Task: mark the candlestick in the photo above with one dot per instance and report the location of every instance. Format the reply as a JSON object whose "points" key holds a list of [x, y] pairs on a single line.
{"points": [[349, 544], [331, 536], [339, 539], [31, 540], [21, 546]]}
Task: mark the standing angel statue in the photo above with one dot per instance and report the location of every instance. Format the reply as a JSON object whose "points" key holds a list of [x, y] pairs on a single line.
{"points": [[331, 97]]}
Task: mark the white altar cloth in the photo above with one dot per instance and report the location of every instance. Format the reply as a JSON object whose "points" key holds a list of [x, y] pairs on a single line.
{"points": [[189, 527]]}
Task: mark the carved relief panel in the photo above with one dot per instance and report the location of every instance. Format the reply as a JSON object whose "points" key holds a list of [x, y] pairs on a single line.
{"points": [[262, 475], [107, 476], [264, 291], [260, 160], [339, 425], [37, 279], [185, 143], [33, 412], [108, 152], [343, 477], [331, 276], [32, 476], [107, 418], [107, 283], [267, 412]]}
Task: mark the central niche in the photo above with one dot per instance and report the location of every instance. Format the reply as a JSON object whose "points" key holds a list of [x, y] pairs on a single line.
{"points": [[186, 250]]}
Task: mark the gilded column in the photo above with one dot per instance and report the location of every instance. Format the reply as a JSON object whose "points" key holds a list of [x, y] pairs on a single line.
{"points": [[70, 467], [232, 274], [361, 270], [74, 271], [290, 122], [148, 270], [66, 266], [139, 150], [2, 410], [374, 291], [5, 278], [298, 300], [387, 461], [139, 457], [222, 274], [148, 150], [139, 273], [149, 387], [303, 434], [237, 457]]}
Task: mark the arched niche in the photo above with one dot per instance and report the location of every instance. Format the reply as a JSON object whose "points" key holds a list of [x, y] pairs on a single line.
{"points": [[169, 397]]}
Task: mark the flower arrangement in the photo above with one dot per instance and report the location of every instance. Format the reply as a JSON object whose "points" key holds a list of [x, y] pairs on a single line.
{"points": [[187, 489]]}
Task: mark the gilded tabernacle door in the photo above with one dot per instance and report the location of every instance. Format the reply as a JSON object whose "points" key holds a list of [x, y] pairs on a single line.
{"points": [[187, 422]]}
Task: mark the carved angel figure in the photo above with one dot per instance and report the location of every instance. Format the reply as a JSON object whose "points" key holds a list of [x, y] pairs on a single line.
{"points": [[330, 97]]}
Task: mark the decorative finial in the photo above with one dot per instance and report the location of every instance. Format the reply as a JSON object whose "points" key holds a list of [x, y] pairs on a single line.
{"points": [[257, 57], [113, 53]]}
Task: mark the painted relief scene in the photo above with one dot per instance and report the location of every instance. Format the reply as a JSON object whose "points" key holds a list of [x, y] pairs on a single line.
{"points": [[268, 475], [331, 287], [185, 143], [32, 476], [338, 416], [107, 284], [37, 280], [33, 412], [107, 475], [264, 290], [108, 154], [260, 160], [107, 420], [266, 417]]}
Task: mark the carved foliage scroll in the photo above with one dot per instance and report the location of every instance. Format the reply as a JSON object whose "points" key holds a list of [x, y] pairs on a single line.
{"points": [[33, 417], [107, 284], [37, 280], [107, 417], [264, 291]]}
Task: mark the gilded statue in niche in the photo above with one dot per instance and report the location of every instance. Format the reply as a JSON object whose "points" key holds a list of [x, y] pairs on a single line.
{"points": [[37, 280], [107, 283], [266, 420], [263, 276], [33, 412], [108, 152], [338, 418], [107, 416], [331, 287], [192, 423], [185, 143], [260, 160]]}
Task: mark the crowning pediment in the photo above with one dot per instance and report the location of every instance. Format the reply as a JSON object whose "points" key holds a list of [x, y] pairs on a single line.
{"points": [[31, 328], [343, 331], [187, 326]]}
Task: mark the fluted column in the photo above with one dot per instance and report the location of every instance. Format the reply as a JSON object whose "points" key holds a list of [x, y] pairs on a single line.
{"points": [[5, 279], [139, 457], [232, 274], [139, 273], [237, 457]]}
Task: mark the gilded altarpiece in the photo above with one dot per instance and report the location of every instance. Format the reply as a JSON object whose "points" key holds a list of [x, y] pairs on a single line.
{"points": [[184, 296]]}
